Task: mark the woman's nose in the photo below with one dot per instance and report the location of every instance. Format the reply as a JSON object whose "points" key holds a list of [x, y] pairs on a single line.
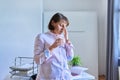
{"points": [[63, 26]]}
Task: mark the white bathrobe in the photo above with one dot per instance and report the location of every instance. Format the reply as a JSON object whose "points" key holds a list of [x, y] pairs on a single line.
{"points": [[55, 66]]}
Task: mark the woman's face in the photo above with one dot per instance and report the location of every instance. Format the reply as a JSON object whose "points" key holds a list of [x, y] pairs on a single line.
{"points": [[59, 26]]}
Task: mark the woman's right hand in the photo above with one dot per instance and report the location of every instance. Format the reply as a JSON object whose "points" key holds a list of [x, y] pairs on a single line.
{"points": [[57, 43]]}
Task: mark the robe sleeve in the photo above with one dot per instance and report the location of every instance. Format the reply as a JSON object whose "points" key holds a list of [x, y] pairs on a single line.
{"points": [[40, 53], [69, 51]]}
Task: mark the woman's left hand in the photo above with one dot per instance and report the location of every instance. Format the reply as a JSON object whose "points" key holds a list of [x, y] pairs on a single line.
{"points": [[65, 33]]}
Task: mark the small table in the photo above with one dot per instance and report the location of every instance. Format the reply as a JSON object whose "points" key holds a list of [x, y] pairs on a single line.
{"points": [[84, 76]]}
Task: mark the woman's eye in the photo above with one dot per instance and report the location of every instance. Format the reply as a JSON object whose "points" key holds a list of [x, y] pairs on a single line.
{"points": [[60, 24]]}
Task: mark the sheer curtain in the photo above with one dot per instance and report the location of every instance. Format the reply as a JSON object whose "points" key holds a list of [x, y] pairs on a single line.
{"points": [[112, 41]]}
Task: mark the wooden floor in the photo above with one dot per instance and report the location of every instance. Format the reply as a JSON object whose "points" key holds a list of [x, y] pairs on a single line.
{"points": [[101, 77]]}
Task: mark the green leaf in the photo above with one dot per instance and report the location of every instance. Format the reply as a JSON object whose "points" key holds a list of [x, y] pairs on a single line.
{"points": [[76, 61]]}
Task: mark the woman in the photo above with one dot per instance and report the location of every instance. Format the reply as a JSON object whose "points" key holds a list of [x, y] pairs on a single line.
{"points": [[53, 49]]}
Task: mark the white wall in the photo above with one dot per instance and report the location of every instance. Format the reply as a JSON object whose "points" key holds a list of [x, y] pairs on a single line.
{"points": [[69, 5], [20, 22]]}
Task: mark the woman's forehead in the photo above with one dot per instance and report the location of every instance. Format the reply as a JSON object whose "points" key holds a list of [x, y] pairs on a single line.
{"points": [[63, 21]]}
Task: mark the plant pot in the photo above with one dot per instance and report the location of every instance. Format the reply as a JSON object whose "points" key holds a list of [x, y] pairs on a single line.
{"points": [[77, 70]]}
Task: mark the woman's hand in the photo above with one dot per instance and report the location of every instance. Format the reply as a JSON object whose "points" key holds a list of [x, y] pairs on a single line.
{"points": [[65, 34], [57, 43]]}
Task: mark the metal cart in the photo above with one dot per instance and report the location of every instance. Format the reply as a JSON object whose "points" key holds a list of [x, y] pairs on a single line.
{"points": [[24, 67]]}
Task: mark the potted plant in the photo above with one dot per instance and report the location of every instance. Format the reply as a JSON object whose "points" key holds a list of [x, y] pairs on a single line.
{"points": [[76, 64], [76, 61]]}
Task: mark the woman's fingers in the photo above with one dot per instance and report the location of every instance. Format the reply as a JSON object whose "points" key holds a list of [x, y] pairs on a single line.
{"points": [[58, 42], [65, 33]]}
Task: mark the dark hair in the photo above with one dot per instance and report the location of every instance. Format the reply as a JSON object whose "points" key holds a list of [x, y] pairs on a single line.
{"points": [[56, 18]]}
